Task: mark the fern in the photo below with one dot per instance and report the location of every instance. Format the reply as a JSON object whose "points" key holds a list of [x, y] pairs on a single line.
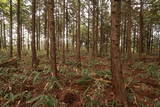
{"points": [[48, 101]]}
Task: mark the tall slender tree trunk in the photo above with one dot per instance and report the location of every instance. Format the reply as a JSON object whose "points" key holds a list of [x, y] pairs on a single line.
{"points": [[141, 44], [52, 37], [11, 43], [116, 67], [102, 35], [134, 40], [4, 35], [78, 34], [45, 23], [1, 35], [28, 40], [34, 54], [67, 28], [73, 37], [129, 42], [39, 31], [94, 29], [88, 42], [58, 31], [21, 30], [124, 35], [63, 41], [48, 33], [37, 36], [18, 31], [149, 39]]}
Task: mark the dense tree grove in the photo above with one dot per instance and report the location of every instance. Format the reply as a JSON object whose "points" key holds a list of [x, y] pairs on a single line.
{"points": [[58, 33]]}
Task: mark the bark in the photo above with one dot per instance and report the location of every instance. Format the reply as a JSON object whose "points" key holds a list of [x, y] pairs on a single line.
{"points": [[21, 30], [149, 39], [37, 36], [129, 42], [134, 40], [4, 36], [102, 35], [63, 42], [39, 32], [28, 42], [34, 53], [52, 37], [1, 35], [45, 23], [67, 28], [116, 67], [11, 41], [124, 35], [18, 31], [94, 30], [141, 45], [73, 36], [96, 27], [46, 30], [58, 31], [88, 42], [78, 35]]}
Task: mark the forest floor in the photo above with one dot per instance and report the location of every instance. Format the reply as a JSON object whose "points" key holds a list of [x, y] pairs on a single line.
{"points": [[21, 86]]}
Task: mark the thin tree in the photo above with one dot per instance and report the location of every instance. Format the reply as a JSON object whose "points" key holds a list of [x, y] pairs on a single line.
{"points": [[63, 41], [141, 48], [129, 29], [46, 29], [18, 30], [34, 55], [52, 37], [88, 33], [78, 34], [94, 30], [1, 34], [116, 68], [4, 35], [11, 46], [67, 27]]}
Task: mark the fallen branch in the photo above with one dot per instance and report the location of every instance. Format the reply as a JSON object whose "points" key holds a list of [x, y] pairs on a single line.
{"points": [[10, 62]]}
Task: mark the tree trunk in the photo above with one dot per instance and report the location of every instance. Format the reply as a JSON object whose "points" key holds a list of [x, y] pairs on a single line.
{"points": [[52, 37], [48, 33], [94, 30], [129, 42], [73, 36], [102, 35], [96, 27], [28, 40], [67, 28], [39, 32], [34, 54], [45, 23], [18, 31], [63, 41], [88, 42], [4, 35], [116, 67], [1, 35], [134, 40], [124, 35], [141, 45], [78, 34], [11, 44]]}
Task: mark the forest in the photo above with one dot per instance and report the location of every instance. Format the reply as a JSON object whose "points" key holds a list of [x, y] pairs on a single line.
{"points": [[79, 53]]}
